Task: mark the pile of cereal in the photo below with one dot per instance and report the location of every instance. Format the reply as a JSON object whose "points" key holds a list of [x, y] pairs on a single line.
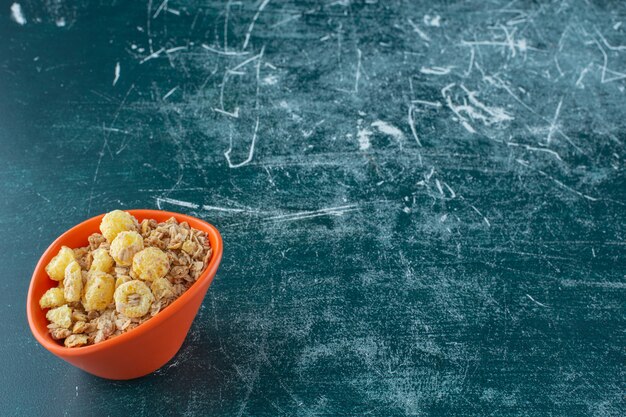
{"points": [[124, 277]]}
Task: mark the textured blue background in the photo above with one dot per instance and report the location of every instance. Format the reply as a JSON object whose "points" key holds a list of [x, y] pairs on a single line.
{"points": [[422, 204]]}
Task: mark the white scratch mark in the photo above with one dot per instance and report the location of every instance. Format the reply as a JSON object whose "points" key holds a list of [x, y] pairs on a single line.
{"points": [[117, 73], [471, 63], [256, 125], [616, 75], [159, 9], [497, 114], [234, 114], [436, 70], [532, 148], [558, 67], [452, 193], [439, 187], [250, 153], [481, 215], [554, 120], [46, 199], [220, 52], [17, 15], [411, 121], [607, 44], [175, 49], [509, 42], [170, 93], [256, 16], [607, 284], [329, 211], [95, 174], [179, 203], [270, 80], [227, 209], [535, 301], [357, 77], [419, 31], [579, 82], [153, 55], [432, 20], [456, 109], [60, 22], [363, 136], [427, 103], [286, 20], [559, 183], [116, 130], [388, 129]]}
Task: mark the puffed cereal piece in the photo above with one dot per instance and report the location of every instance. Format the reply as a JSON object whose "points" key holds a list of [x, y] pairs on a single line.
{"points": [[121, 279], [125, 246], [56, 267], [102, 261], [189, 247], [133, 299], [76, 340], [98, 291], [73, 282], [150, 264], [61, 316], [115, 222], [52, 298], [162, 288]]}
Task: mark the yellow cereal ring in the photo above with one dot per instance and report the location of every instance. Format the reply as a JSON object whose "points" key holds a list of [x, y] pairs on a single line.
{"points": [[73, 282], [61, 316], [150, 264], [98, 291], [125, 246], [52, 298], [133, 299], [102, 261], [115, 222], [56, 267]]}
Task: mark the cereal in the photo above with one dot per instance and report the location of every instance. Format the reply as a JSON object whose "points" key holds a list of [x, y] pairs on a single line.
{"points": [[76, 340], [56, 267], [123, 277], [73, 282], [125, 246], [52, 298], [133, 299], [115, 222], [151, 264], [61, 316], [189, 247], [162, 288], [98, 291], [102, 261]]}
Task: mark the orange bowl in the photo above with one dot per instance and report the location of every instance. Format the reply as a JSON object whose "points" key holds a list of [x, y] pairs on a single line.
{"points": [[143, 349]]}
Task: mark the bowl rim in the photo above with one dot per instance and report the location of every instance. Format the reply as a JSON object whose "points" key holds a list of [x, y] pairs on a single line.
{"points": [[144, 327]]}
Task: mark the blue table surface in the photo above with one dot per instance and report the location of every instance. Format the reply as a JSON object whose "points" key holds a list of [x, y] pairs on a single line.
{"points": [[423, 203]]}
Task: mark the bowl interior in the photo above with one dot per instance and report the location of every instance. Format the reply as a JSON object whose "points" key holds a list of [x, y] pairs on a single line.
{"points": [[77, 237]]}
